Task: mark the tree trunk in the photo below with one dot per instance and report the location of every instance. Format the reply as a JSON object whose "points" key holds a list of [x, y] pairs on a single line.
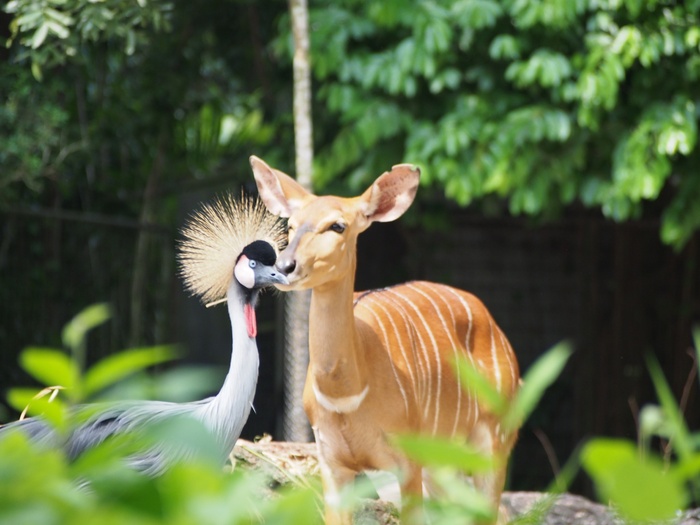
{"points": [[295, 426]]}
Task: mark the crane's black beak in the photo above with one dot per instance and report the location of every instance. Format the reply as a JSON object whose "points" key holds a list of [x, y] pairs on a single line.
{"points": [[268, 275]]}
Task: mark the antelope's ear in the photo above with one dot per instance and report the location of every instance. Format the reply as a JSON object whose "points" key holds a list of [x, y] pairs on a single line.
{"points": [[280, 193], [392, 193]]}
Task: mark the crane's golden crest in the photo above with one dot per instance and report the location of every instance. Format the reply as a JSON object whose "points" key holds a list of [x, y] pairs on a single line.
{"points": [[214, 237]]}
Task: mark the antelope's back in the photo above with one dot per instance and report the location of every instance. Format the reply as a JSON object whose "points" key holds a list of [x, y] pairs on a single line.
{"points": [[422, 327]]}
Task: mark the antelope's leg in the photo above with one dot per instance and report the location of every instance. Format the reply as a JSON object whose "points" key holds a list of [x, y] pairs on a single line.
{"points": [[412, 495], [488, 441], [491, 485], [334, 479]]}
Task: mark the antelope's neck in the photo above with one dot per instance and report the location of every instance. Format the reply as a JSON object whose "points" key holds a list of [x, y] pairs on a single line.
{"points": [[335, 359]]}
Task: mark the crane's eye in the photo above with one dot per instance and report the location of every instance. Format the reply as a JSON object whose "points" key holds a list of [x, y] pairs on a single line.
{"points": [[252, 263], [337, 227]]}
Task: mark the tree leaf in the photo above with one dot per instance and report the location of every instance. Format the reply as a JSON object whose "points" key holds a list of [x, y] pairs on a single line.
{"points": [[118, 366], [36, 71], [92, 316], [688, 469], [438, 452], [639, 487], [40, 35], [50, 367], [653, 422], [537, 379], [475, 383], [681, 439], [36, 404], [59, 30], [61, 18]]}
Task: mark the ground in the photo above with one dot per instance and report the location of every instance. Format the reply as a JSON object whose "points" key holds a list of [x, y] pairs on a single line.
{"points": [[296, 462]]}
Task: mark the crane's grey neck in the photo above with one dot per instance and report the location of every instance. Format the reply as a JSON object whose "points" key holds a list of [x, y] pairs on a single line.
{"points": [[226, 413], [244, 295]]}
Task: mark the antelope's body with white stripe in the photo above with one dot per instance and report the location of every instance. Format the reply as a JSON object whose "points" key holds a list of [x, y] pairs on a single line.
{"points": [[381, 362]]}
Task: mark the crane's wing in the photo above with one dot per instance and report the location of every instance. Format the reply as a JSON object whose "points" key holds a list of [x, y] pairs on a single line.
{"points": [[93, 425], [35, 429], [97, 423]]}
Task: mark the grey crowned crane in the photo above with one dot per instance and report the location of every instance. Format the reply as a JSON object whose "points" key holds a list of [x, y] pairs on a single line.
{"points": [[228, 253]]}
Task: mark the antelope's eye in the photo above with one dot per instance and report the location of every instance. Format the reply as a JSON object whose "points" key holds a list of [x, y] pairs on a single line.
{"points": [[337, 227], [252, 263]]}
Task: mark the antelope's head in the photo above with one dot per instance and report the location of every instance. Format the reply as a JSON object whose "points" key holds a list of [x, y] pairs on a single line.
{"points": [[323, 230]]}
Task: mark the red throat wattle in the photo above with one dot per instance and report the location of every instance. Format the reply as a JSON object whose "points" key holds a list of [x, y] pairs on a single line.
{"points": [[250, 322]]}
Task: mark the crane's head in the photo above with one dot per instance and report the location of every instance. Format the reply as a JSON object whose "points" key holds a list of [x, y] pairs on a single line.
{"points": [[230, 241], [255, 266]]}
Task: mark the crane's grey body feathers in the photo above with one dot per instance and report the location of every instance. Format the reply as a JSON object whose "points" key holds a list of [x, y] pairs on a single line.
{"points": [[216, 240]]}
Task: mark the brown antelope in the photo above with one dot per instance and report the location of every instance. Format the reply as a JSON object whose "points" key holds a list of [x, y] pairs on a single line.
{"points": [[380, 362]]}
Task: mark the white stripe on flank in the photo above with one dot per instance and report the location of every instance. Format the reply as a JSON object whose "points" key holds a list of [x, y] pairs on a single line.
{"points": [[421, 371], [507, 351], [400, 341], [453, 344], [387, 345], [457, 348], [494, 358], [418, 344], [435, 348], [340, 405], [474, 405]]}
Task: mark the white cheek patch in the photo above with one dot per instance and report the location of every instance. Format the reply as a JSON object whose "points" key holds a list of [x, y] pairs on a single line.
{"points": [[244, 273]]}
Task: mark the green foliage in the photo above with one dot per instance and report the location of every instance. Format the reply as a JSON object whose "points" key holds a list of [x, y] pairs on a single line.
{"points": [[459, 501], [59, 370], [435, 452], [40, 485], [50, 366], [514, 412], [640, 483], [75, 331], [207, 135], [538, 378], [116, 367], [29, 401], [30, 123], [639, 487], [675, 427], [52, 30], [541, 103], [140, 105]]}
